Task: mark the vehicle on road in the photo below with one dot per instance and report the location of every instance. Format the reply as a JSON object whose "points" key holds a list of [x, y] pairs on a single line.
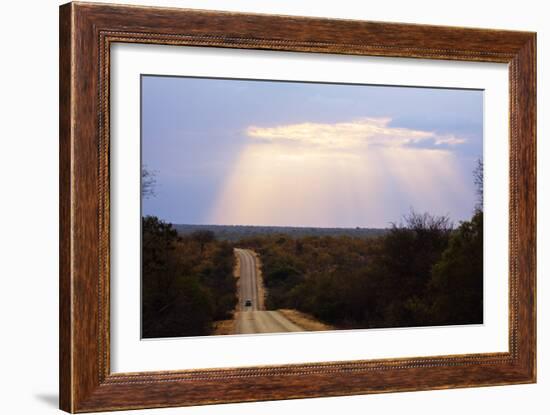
{"points": [[248, 303]]}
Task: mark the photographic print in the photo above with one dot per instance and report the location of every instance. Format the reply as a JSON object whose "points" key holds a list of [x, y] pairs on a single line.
{"points": [[275, 206], [257, 207]]}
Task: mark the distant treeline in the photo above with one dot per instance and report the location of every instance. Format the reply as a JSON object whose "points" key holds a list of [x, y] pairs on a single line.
{"points": [[237, 232], [421, 272], [187, 281]]}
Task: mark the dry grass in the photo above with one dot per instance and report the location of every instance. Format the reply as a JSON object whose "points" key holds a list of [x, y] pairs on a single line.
{"points": [[307, 322], [224, 327]]}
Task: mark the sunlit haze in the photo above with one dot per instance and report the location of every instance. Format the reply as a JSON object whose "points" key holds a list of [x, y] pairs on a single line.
{"points": [[244, 152]]}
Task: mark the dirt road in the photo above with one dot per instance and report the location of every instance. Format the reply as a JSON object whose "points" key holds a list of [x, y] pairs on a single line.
{"points": [[251, 316]]}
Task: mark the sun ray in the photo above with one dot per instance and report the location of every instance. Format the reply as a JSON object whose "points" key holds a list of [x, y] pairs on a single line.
{"points": [[361, 172]]}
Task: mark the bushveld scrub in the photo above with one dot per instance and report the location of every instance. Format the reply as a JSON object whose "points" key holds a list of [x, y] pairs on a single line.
{"points": [[187, 282], [422, 272]]}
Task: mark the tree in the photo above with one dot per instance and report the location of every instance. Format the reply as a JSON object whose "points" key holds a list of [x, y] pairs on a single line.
{"points": [[173, 300], [457, 279], [478, 181], [404, 264], [148, 182], [158, 274], [203, 237]]}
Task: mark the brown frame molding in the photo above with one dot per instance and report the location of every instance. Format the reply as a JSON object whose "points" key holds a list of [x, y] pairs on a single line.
{"points": [[86, 32]]}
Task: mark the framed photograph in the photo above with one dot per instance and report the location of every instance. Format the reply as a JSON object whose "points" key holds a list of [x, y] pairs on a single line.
{"points": [[258, 207]]}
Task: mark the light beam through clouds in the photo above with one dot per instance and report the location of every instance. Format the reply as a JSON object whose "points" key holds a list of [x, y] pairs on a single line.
{"points": [[245, 152], [307, 174]]}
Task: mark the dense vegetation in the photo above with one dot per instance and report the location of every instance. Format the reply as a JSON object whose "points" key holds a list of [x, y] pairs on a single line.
{"points": [[421, 272], [187, 282]]}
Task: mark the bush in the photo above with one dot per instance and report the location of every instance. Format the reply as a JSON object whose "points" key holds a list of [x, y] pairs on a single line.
{"points": [[421, 272], [457, 279], [187, 283]]}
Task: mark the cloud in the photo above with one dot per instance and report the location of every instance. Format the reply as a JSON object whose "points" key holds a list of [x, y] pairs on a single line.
{"points": [[449, 140], [352, 135]]}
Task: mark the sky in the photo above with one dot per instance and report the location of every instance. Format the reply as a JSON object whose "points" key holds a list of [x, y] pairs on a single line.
{"points": [[276, 153]]}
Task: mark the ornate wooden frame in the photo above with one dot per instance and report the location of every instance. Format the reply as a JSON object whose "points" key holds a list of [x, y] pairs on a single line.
{"points": [[86, 33]]}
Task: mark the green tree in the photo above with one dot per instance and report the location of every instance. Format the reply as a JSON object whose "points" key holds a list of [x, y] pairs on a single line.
{"points": [[457, 279], [403, 266], [187, 282]]}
